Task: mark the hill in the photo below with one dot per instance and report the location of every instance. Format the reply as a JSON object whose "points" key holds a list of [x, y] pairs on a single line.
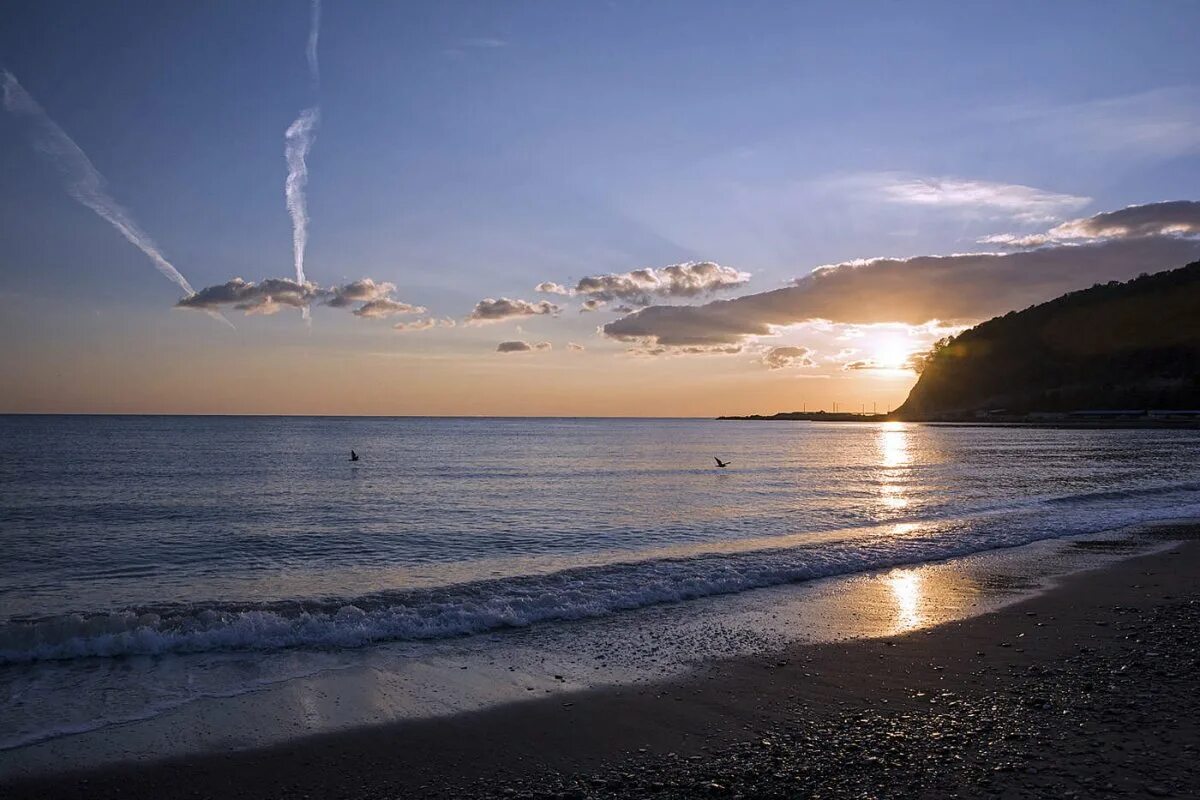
{"points": [[1133, 345]]}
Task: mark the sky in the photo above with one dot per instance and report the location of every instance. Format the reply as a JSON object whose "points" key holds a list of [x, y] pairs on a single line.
{"points": [[570, 209]]}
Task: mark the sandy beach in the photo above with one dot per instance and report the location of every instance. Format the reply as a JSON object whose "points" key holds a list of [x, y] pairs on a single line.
{"points": [[1088, 689]]}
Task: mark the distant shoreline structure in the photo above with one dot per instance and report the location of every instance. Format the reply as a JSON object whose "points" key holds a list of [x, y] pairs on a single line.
{"points": [[814, 416], [1083, 419]]}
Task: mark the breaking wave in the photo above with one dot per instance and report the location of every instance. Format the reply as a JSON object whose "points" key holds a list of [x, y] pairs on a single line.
{"points": [[572, 594]]}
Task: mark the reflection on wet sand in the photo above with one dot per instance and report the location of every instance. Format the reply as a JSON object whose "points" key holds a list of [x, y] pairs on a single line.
{"points": [[906, 587]]}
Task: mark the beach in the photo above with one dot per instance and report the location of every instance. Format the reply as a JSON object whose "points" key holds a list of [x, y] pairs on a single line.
{"points": [[379, 396], [1088, 688]]}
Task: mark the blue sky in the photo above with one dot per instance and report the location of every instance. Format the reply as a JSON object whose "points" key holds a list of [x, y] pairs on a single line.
{"points": [[471, 150]]}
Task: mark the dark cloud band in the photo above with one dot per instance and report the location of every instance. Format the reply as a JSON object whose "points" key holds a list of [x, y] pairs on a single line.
{"points": [[954, 288]]}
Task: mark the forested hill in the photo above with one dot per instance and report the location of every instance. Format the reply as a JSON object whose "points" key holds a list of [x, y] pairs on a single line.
{"points": [[1133, 345]]}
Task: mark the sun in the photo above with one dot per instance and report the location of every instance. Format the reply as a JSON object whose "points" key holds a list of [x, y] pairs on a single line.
{"points": [[891, 352]]}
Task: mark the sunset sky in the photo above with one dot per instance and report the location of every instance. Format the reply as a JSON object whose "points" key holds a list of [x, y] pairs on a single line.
{"points": [[609, 208]]}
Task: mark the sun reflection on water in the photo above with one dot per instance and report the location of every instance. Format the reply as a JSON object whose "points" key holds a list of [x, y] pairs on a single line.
{"points": [[894, 454], [893, 444], [893, 496]]}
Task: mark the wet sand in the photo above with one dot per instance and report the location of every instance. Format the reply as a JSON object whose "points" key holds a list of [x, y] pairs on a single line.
{"points": [[1089, 689]]}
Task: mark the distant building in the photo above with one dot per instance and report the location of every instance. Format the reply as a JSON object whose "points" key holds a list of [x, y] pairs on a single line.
{"points": [[1110, 413]]}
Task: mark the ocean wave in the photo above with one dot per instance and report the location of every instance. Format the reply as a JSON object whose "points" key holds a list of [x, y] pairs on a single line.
{"points": [[1129, 493], [490, 605]]}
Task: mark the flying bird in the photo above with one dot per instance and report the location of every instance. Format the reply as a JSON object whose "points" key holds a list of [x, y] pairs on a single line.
{"points": [[720, 463], [353, 456]]}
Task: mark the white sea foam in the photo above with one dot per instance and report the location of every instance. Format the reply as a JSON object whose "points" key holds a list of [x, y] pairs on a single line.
{"points": [[573, 594]]}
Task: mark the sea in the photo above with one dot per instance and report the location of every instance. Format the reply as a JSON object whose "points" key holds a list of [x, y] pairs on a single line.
{"points": [[147, 562]]}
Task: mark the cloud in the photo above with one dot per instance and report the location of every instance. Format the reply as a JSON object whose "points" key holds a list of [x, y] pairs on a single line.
{"points": [[484, 42], [1021, 203], [422, 325], [491, 310], [386, 307], [461, 46], [314, 33], [842, 354], [647, 349], [575, 347], [1179, 217], [265, 297], [789, 356], [638, 287], [592, 304], [360, 291], [862, 364], [954, 289], [522, 347], [269, 295], [1174, 218], [1158, 124]]}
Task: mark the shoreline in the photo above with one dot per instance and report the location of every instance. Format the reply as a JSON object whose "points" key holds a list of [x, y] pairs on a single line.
{"points": [[1165, 424], [719, 705]]}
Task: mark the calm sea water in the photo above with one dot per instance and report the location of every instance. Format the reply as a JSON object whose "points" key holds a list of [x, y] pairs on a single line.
{"points": [[154, 534], [183, 540]]}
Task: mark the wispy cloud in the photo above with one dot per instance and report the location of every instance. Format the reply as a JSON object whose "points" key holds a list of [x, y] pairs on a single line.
{"points": [[83, 181], [459, 47], [423, 325], [482, 42], [1158, 124], [314, 33], [1013, 200]]}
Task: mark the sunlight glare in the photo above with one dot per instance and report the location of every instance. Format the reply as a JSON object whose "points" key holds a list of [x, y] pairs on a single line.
{"points": [[893, 444], [891, 353], [906, 587]]}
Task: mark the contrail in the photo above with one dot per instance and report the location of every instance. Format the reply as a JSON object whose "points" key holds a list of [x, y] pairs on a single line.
{"points": [[298, 140], [314, 32], [84, 181]]}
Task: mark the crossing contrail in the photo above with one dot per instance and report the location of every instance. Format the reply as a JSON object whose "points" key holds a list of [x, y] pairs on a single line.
{"points": [[298, 141], [314, 32], [83, 181]]}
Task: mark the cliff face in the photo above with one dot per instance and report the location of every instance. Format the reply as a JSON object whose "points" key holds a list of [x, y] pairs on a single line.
{"points": [[1133, 345]]}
